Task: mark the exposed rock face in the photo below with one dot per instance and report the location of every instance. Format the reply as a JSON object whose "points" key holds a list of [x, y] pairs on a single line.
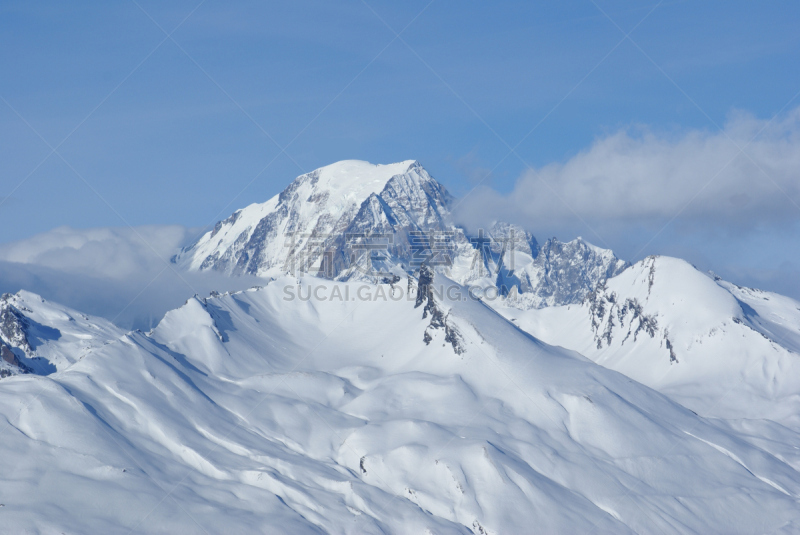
{"points": [[409, 215], [12, 334], [565, 273], [14, 364], [9, 356], [12, 325], [610, 317], [425, 294]]}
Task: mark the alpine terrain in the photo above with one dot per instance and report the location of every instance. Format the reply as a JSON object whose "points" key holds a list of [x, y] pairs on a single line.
{"points": [[397, 373]]}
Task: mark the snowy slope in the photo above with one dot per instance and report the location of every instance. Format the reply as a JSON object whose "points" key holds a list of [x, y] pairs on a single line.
{"points": [[37, 336], [253, 413], [776, 316], [675, 329]]}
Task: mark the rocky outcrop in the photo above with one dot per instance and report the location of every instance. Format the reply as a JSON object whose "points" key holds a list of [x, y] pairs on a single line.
{"points": [[12, 335], [432, 309], [12, 325], [612, 318], [564, 274]]}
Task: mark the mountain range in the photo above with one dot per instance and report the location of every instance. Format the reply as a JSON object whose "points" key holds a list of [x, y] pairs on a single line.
{"points": [[353, 220], [399, 373]]}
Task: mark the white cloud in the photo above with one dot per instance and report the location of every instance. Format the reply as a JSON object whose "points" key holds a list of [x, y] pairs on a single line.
{"points": [[106, 252], [646, 177], [122, 274]]}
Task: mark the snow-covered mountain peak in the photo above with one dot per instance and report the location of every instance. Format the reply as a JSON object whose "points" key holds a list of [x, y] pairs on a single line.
{"points": [[665, 297], [315, 213], [355, 180], [667, 281], [721, 350], [353, 220]]}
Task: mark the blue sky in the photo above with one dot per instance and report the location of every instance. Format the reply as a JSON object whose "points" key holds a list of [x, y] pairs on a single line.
{"points": [[185, 129]]}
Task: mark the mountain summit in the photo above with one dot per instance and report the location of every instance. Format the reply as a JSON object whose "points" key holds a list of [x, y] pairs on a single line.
{"points": [[309, 225], [353, 220]]}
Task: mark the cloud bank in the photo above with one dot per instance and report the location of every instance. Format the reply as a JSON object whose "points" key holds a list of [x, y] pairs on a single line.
{"points": [[100, 252], [744, 176], [122, 274]]}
